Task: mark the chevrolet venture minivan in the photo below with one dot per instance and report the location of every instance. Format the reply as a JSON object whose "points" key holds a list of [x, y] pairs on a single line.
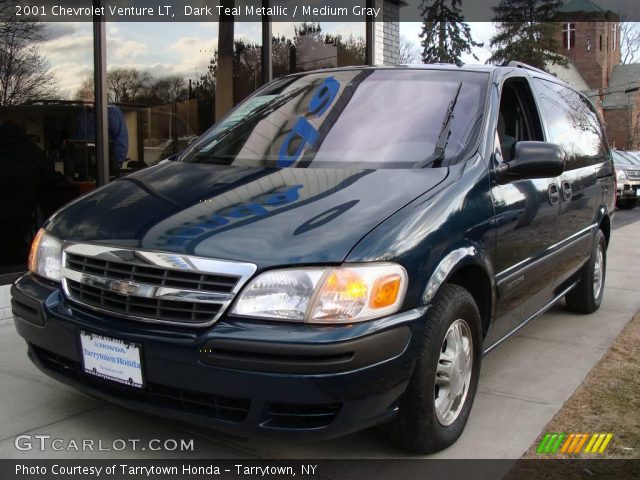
{"points": [[339, 252]]}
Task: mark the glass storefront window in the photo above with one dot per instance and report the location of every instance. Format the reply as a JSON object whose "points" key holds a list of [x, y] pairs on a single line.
{"points": [[167, 86], [44, 163], [302, 47], [247, 59], [155, 78]]}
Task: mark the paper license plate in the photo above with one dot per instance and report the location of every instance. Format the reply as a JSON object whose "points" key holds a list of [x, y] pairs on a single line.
{"points": [[111, 359]]}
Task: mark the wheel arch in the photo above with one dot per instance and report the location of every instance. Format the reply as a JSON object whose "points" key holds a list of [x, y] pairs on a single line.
{"points": [[469, 268]]}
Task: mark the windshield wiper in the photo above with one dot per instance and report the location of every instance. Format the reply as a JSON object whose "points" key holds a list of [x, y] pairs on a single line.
{"points": [[443, 137], [257, 114]]}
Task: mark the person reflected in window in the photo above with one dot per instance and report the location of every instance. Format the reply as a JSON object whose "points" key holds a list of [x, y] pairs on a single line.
{"points": [[117, 130]]}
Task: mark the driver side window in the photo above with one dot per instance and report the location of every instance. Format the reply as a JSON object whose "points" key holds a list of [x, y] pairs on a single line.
{"points": [[518, 118]]}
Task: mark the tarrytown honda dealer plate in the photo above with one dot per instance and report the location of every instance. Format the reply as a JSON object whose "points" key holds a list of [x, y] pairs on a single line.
{"points": [[111, 359]]}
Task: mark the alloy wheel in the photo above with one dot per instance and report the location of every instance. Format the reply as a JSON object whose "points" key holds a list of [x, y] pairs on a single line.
{"points": [[453, 373]]}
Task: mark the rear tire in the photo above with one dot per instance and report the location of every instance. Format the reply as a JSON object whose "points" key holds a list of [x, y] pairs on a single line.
{"points": [[436, 405], [586, 297]]}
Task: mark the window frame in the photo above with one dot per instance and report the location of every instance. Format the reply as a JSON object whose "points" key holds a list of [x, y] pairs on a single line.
{"points": [[569, 35], [585, 102], [529, 108]]}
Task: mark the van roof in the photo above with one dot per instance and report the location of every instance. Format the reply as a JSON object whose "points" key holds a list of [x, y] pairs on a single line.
{"points": [[444, 66]]}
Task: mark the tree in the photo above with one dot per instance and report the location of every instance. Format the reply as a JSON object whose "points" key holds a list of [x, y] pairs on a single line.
{"points": [[86, 89], [310, 49], [445, 36], [247, 66], [409, 52], [205, 85], [281, 47], [24, 73], [130, 85], [164, 90], [352, 51], [525, 33], [630, 42], [127, 84]]}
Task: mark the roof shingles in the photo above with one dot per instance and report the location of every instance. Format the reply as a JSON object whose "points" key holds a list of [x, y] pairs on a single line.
{"points": [[580, 6], [622, 77]]}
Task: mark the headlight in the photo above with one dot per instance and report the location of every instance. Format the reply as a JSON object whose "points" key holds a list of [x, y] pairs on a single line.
{"points": [[621, 174], [45, 258], [325, 295]]}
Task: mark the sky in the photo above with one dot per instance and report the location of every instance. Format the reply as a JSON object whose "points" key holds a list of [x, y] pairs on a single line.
{"points": [[481, 32], [186, 48], [174, 48]]}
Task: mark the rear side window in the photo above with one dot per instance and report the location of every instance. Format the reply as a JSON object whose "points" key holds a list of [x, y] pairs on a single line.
{"points": [[573, 124]]}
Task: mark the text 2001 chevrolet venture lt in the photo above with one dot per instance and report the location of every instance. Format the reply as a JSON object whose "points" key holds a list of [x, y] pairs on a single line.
{"points": [[337, 253]]}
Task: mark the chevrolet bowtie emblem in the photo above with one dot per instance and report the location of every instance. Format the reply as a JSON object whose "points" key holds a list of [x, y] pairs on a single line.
{"points": [[124, 287]]}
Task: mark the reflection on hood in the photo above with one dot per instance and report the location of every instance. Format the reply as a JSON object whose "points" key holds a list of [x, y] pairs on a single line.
{"points": [[260, 215]]}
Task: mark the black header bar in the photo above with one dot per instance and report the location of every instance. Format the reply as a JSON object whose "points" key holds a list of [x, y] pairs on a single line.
{"points": [[281, 10]]}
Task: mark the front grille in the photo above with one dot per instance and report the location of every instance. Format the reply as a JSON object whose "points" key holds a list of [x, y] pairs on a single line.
{"points": [[214, 406], [152, 275], [149, 308], [157, 287]]}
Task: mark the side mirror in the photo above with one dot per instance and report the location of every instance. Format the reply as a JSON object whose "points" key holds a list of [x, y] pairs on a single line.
{"points": [[532, 160]]}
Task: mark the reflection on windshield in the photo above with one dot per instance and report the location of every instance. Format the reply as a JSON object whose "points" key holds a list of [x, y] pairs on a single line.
{"points": [[363, 118]]}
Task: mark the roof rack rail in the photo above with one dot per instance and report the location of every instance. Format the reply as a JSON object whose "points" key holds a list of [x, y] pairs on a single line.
{"points": [[516, 64]]}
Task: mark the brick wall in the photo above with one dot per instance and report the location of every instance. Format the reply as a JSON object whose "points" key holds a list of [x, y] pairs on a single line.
{"points": [[595, 51], [593, 62], [387, 34], [623, 126], [391, 17]]}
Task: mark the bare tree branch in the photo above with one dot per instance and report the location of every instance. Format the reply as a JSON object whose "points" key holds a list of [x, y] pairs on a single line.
{"points": [[630, 42], [409, 52], [24, 73]]}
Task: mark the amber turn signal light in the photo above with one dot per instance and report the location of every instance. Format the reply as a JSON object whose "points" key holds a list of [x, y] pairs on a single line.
{"points": [[385, 291]]}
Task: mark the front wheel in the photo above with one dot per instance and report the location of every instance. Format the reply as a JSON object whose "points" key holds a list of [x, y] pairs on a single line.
{"points": [[586, 297], [436, 405]]}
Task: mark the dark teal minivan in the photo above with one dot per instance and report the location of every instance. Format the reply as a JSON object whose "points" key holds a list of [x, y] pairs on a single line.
{"points": [[339, 252]]}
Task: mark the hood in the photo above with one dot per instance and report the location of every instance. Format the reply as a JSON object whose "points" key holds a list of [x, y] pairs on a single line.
{"points": [[264, 216]]}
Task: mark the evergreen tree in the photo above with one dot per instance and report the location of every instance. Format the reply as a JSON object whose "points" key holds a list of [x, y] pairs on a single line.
{"points": [[445, 36], [525, 33]]}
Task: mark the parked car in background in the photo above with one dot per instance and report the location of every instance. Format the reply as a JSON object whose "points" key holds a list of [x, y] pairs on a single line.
{"points": [[339, 252], [628, 177]]}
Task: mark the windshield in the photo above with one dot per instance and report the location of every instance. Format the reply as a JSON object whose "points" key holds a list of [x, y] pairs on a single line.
{"points": [[366, 118], [624, 158]]}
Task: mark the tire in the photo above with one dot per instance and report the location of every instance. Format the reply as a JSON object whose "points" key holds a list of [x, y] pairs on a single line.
{"points": [[584, 298], [418, 427]]}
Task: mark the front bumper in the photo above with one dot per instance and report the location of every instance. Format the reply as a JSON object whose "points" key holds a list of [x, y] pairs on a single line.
{"points": [[245, 378], [628, 189]]}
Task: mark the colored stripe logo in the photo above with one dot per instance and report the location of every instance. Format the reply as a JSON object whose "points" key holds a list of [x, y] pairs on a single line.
{"points": [[574, 443]]}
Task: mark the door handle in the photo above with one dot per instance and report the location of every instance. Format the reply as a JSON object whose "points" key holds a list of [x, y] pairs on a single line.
{"points": [[567, 192], [554, 194]]}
